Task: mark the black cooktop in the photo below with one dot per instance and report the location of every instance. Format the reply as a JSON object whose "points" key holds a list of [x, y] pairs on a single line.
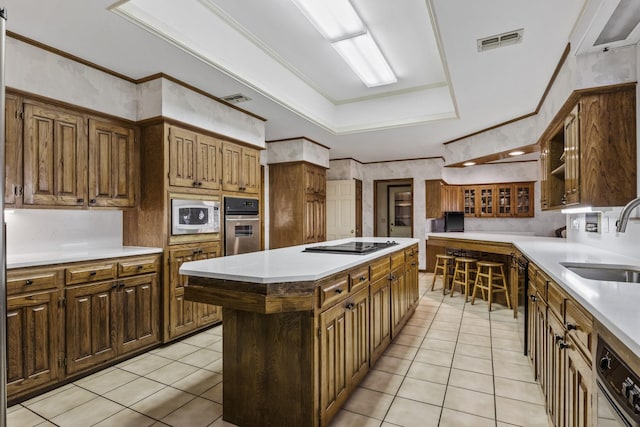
{"points": [[352, 248]]}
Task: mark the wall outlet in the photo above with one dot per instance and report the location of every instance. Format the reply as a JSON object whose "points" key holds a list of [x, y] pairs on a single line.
{"points": [[575, 223]]}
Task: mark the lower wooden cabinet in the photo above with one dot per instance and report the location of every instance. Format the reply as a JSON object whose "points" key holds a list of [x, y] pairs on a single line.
{"points": [[139, 304], [578, 388], [398, 299], [380, 317], [187, 316]]}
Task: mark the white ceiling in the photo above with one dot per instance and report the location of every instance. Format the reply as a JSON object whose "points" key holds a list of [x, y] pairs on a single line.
{"points": [[269, 52]]}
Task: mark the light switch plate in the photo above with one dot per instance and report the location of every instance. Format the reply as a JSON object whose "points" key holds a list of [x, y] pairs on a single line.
{"points": [[575, 223]]}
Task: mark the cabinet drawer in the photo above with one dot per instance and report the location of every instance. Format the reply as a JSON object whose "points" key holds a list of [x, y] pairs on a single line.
{"points": [[555, 299], [32, 280], [379, 268], [334, 290], [358, 278], [579, 325], [136, 266], [397, 259], [90, 273], [410, 254], [541, 281]]}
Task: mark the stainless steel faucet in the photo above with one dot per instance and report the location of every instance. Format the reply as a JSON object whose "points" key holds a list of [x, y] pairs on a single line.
{"points": [[621, 224]]}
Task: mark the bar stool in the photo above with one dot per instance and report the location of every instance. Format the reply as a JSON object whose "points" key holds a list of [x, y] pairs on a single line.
{"points": [[463, 275], [494, 281], [443, 264]]}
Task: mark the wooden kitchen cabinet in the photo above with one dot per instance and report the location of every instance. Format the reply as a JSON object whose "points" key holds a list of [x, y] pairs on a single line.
{"points": [[139, 303], [240, 168], [589, 150], [185, 316], [12, 151], [398, 299], [578, 391], [297, 195], [441, 198], [194, 159], [487, 199], [470, 201], [380, 316], [555, 365], [33, 330], [112, 164], [411, 268]]}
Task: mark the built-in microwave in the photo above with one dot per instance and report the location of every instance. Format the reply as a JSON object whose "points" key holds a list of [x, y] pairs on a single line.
{"points": [[192, 216]]}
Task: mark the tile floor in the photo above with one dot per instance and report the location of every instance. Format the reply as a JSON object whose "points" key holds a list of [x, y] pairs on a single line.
{"points": [[453, 364]]}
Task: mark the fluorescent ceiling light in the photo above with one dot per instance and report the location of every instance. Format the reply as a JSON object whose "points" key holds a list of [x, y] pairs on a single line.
{"points": [[468, 163], [583, 209], [624, 19], [365, 59], [516, 153], [334, 19]]}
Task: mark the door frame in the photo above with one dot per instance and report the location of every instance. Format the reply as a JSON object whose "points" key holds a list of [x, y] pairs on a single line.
{"points": [[397, 181]]}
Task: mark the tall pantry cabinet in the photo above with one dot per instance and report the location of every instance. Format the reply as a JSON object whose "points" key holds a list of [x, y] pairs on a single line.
{"points": [[181, 162]]}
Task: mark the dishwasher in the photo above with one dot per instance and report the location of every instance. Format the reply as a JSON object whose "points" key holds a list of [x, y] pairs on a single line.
{"points": [[241, 225]]}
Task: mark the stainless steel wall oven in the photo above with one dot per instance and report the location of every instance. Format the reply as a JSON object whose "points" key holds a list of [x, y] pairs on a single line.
{"points": [[241, 225]]}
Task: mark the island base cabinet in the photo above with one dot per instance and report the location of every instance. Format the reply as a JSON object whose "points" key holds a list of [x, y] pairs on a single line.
{"points": [[380, 317], [139, 304], [578, 389], [32, 341], [280, 351]]}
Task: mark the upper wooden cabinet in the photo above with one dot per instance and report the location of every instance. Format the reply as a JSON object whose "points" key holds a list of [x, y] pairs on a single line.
{"points": [[441, 198], [57, 157], [240, 168], [194, 160], [589, 150]]}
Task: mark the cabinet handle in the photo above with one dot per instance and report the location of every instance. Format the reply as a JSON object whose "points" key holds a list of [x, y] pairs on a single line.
{"points": [[140, 267], [363, 278], [563, 345], [199, 183], [80, 200], [413, 264], [194, 184], [28, 282], [122, 285], [392, 277], [533, 298], [558, 338], [92, 273], [114, 286], [338, 290], [350, 306], [92, 201], [571, 326]]}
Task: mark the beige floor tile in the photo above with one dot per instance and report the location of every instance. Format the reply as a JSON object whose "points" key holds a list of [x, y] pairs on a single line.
{"points": [[163, 402], [438, 345], [126, 418], [431, 301], [507, 344], [197, 413], [475, 320], [521, 413], [414, 330], [202, 340], [393, 365], [89, 413], [422, 391], [214, 393], [470, 401], [473, 350], [505, 326], [104, 383], [401, 351], [474, 340], [198, 382], [216, 346], [145, 365], [434, 357], [511, 334], [443, 335], [519, 390], [350, 419], [428, 372], [516, 357], [451, 418], [501, 424], [423, 315], [409, 413], [171, 373], [215, 366], [443, 325], [408, 340], [383, 382], [175, 351], [59, 403], [22, 417], [471, 381], [367, 402], [221, 423], [418, 322], [513, 371], [469, 363], [134, 391], [201, 357], [484, 331], [50, 393], [448, 316], [502, 314]]}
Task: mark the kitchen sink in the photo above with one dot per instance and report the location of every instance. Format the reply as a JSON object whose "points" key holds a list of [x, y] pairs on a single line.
{"points": [[605, 272]]}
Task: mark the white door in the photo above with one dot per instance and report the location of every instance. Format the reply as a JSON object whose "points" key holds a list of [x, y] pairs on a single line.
{"points": [[400, 211], [341, 209]]}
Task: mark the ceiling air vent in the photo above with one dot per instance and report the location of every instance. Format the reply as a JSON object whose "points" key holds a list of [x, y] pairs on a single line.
{"points": [[236, 98], [500, 40]]}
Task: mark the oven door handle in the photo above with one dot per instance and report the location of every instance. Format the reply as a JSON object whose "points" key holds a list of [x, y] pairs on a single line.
{"points": [[619, 413]]}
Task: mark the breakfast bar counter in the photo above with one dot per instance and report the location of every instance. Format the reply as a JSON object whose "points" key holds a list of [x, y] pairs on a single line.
{"points": [[302, 328]]}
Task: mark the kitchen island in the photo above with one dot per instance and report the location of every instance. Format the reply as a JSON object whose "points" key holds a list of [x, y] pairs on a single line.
{"points": [[301, 329]]}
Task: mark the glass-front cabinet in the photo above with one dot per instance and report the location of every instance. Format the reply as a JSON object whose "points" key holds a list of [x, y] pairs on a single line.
{"points": [[505, 199], [469, 201], [487, 207]]}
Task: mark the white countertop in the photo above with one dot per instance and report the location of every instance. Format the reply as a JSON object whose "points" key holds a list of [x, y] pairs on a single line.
{"points": [[75, 254], [614, 304], [289, 264]]}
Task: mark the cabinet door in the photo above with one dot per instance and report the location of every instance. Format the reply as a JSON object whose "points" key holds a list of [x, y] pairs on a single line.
{"points": [[250, 170], [182, 313], [487, 200], [380, 317], [91, 327], [33, 329], [13, 151], [139, 313], [544, 176], [207, 314], [523, 205], [182, 167], [320, 221], [333, 361], [505, 199], [398, 299], [208, 163], [309, 228], [531, 320], [112, 168], [572, 157], [578, 388], [358, 336], [555, 370], [451, 199], [411, 279], [541, 343], [469, 202], [231, 166], [434, 198], [54, 157]]}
